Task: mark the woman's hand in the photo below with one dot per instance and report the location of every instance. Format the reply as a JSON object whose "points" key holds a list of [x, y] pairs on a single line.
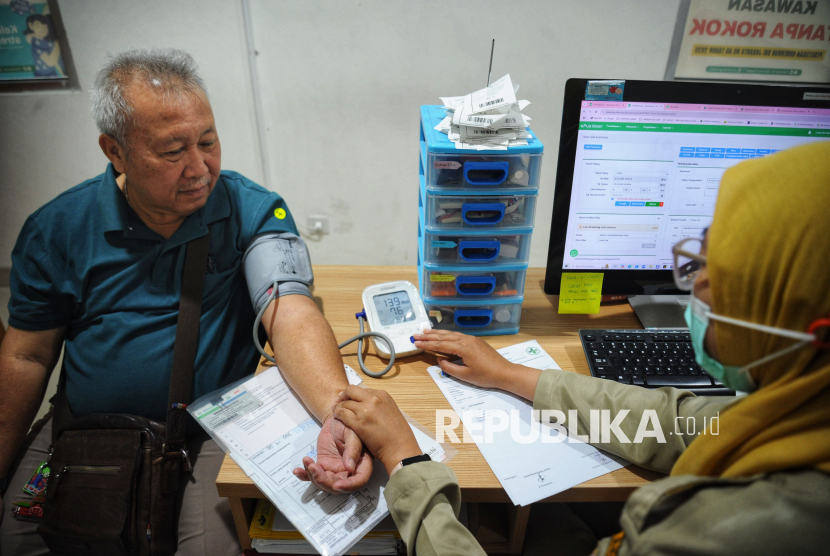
{"points": [[482, 365], [376, 419]]}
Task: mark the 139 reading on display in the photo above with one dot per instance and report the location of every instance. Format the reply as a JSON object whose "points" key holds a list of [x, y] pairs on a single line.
{"points": [[394, 308]]}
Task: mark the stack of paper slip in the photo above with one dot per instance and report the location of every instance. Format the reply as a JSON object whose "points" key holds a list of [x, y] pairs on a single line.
{"points": [[489, 119], [271, 532]]}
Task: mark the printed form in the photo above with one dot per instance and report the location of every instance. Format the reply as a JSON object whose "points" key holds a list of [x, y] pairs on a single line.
{"points": [[267, 432], [531, 460]]}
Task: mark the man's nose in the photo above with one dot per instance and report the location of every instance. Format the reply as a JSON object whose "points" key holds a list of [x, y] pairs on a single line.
{"points": [[195, 166]]}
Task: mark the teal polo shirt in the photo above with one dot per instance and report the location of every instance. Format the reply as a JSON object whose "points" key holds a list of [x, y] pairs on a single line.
{"points": [[86, 261]]}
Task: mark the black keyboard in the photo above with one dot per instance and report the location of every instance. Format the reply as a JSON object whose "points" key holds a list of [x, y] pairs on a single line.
{"points": [[649, 358]]}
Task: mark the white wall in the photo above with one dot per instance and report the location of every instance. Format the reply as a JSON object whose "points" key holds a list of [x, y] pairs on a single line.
{"points": [[342, 82]]}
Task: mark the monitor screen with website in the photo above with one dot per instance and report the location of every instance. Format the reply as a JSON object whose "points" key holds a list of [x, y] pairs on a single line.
{"points": [[636, 176]]}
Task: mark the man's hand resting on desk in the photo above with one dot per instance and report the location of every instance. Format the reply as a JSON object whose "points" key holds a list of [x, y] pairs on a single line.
{"points": [[482, 365], [375, 417], [342, 465]]}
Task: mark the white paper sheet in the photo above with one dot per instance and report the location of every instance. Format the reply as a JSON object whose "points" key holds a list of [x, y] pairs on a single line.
{"points": [[499, 93], [488, 119], [508, 117], [472, 134], [452, 102], [444, 125], [270, 439], [531, 471], [489, 146]]}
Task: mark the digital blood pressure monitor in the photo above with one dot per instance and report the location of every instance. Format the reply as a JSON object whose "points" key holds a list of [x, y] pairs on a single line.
{"points": [[395, 310]]}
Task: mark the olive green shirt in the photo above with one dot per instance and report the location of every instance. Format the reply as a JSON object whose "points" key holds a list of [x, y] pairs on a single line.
{"points": [[778, 513]]}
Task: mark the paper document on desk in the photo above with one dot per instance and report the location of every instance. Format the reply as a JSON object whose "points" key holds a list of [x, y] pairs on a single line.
{"points": [[267, 431], [529, 468]]}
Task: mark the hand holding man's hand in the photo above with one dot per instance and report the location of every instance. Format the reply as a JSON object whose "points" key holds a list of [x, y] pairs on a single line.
{"points": [[342, 465], [375, 417]]}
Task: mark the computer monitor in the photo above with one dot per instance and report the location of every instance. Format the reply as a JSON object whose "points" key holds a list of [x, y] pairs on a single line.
{"points": [[636, 176]]}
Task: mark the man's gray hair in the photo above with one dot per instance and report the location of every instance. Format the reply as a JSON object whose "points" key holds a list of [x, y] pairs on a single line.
{"points": [[173, 72]]}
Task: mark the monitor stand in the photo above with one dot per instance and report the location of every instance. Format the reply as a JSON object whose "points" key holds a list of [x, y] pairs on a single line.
{"points": [[660, 311]]}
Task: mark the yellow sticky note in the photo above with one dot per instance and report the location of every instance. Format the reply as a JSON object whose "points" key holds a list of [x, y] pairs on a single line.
{"points": [[580, 293]]}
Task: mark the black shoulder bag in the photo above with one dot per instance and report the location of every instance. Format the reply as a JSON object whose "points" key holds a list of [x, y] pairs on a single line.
{"points": [[114, 477]]}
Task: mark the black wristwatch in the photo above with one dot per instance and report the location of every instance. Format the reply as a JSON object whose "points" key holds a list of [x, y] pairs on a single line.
{"points": [[410, 461]]}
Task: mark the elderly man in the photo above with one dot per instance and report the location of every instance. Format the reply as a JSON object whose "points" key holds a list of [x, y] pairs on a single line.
{"points": [[98, 270]]}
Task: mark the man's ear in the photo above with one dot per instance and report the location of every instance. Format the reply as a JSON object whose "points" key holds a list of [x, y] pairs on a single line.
{"points": [[113, 151]]}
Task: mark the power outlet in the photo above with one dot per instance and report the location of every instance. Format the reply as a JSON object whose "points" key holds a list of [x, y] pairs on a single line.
{"points": [[316, 220]]}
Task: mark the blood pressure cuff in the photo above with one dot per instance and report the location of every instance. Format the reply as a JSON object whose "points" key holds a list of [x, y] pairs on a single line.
{"points": [[277, 257]]}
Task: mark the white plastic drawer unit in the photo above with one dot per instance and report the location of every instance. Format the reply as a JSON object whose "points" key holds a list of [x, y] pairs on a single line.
{"points": [[445, 283], [475, 317], [446, 166], [500, 209], [475, 247]]}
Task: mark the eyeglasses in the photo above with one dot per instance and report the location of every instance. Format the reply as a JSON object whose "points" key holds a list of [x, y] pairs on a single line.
{"points": [[687, 262]]}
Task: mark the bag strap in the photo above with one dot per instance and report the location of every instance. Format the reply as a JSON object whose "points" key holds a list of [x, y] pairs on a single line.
{"points": [[62, 415], [187, 340], [184, 350]]}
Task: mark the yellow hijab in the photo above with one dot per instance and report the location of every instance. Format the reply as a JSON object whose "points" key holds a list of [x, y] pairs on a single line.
{"points": [[769, 263]]}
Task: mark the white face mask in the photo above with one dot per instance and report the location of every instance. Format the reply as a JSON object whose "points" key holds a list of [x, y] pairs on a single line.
{"points": [[698, 315]]}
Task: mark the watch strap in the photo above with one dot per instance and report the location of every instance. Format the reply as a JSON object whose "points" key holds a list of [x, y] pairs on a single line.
{"points": [[409, 461], [415, 459]]}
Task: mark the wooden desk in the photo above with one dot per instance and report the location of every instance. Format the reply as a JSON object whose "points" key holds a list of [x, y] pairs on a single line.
{"points": [[338, 290]]}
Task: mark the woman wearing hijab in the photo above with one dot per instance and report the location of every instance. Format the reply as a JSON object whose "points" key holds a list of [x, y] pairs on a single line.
{"points": [[759, 318]]}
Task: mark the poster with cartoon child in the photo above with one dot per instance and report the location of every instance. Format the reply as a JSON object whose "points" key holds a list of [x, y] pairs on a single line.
{"points": [[29, 47]]}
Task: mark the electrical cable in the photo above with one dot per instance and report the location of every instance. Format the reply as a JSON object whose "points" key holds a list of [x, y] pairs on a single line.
{"points": [[360, 316], [272, 295], [359, 337]]}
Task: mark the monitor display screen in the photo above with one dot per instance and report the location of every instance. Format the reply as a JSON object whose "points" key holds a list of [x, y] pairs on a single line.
{"points": [[646, 174], [394, 308], [633, 177]]}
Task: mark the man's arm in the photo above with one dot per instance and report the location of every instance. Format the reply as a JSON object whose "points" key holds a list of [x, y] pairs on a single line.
{"points": [[26, 360], [306, 351]]}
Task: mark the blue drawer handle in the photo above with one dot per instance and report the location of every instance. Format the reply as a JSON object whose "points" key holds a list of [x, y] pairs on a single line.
{"points": [[482, 214], [486, 173], [473, 318], [471, 250], [475, 285]]}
